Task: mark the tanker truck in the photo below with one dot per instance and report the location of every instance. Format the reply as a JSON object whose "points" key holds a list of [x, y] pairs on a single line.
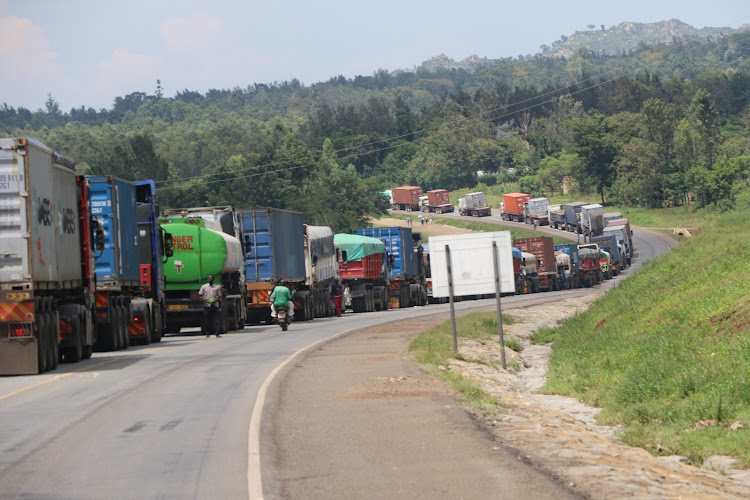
{"points": [[204, 242]]}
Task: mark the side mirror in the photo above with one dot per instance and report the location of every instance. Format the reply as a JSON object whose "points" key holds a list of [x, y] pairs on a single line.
{"points": [[98, 231], [248, 244], [168, 248]]}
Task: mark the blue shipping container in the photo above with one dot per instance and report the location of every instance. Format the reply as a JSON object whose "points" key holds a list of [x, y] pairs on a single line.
{"points": [[572, 250], [113, 205], [398, 243], [273, 241], [573, 212]]}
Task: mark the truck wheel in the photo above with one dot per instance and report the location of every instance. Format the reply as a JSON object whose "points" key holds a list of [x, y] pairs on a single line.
{"points": [[75, 353], [149, 326], [41, 342], [125, 327]]}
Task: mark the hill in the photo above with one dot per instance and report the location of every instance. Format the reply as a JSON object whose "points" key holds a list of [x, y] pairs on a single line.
{"points": [[627, 36]]}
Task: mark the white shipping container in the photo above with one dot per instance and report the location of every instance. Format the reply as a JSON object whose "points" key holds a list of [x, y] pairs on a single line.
{"points": [[320, 258], [538, 207], [585, 211], [43, 251], [476, 200]]}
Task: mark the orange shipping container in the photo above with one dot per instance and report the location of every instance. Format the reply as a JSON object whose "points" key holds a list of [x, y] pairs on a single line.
{"points": [[513, 202], [407, 195], [438, 197]]}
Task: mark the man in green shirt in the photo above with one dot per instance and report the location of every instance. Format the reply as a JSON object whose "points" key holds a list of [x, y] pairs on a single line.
{"points": [[281, 296]]}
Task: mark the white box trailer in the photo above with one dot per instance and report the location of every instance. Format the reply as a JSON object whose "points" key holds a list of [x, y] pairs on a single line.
{"points": [[44, 278], [474, 204], [585, 212]]}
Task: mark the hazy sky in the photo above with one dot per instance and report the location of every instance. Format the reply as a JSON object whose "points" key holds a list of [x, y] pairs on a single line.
{"points": [[87, 52]]}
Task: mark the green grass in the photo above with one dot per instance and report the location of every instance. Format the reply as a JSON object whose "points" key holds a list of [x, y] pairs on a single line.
{"points": [[434, 348], [668, 348]]}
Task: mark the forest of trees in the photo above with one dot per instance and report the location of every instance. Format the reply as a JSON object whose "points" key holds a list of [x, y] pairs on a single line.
{"points": [[659, 126]]}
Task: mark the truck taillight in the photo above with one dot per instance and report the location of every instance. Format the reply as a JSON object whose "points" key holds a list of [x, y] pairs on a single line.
{"points": [[65, 327], [17, 332], [137, 319]]}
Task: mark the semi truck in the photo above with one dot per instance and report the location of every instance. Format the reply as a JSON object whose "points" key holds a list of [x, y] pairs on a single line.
{"points": [[406, 198], [622, 236], [572, 272], [573, 216], [536, 210], [609, 244], [543, 248], [204, 242], [437, 200], [474, 204], [363, 267], [47, 275], [321, 270], [592, 219], [525, 275], [513, 206], [556, 216], [274, 247], [590, 267], [406, 266]]}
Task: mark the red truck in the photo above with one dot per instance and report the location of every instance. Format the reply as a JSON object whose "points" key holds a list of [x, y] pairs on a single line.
{"points": [[543, 248], [363, 268], [406, 198], [591, 271], [513, 206], [437, 201]]}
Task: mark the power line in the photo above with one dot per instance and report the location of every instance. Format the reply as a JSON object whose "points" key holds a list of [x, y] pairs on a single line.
{"points": [[557, 93]]}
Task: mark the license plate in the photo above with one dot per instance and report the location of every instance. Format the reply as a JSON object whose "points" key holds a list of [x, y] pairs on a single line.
{"points": [[178, 307]]}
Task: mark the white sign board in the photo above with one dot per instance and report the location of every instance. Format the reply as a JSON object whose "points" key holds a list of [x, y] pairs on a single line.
{"points": [[472, 265]]}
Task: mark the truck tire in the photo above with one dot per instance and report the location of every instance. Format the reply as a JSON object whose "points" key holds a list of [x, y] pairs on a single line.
{"points": [[125, 326], [150, 326], [41, 342], [74, 354]]}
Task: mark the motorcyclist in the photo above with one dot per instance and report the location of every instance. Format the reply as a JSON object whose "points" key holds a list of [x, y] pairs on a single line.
{"points": [[281, 296]]}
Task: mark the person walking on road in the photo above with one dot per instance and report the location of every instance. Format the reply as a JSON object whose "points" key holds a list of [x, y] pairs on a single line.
{"points": [[210, 295], [430, 219], [337, 294]]}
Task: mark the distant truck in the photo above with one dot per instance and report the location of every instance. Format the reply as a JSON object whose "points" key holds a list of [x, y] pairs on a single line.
{"points": [[273, 242], [616, 250], [47, 276], [623, 238], [406, 265], [543, 248], [569, 268], [556, 216], [437, 201], [573, 216], [590, 270], [525, 275], [474, 205], [406, 198], [610, 216], [205, 241], [513, 206], [363, 267], [592, 219], [536, 210]]}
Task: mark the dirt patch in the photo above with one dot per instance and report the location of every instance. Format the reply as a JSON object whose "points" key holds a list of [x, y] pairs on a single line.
{"points": [[434, 229]]}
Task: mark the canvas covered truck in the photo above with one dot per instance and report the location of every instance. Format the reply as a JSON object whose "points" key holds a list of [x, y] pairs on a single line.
{"points": [[363, 267], [573, 216], [536, 210], [437, 200], [406, 266], [406, 198], [321, 270], [47, 246], [513, 206], [572, 269], [590, 268], [204, 242], [474, 205], [556, 216], [543, 248], [274, 246]]}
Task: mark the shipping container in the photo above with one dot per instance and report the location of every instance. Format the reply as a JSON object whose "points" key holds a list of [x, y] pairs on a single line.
{"points": [[573, 216], [513, 206], [584, 214], [274, 245], [406, 198], [536, 210], [543, 249], [474, 204]]}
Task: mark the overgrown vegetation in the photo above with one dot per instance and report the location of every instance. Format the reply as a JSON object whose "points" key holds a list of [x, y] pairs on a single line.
{"points": [[667, 353]]}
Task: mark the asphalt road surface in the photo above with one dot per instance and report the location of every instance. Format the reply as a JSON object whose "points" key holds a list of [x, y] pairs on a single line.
{"points": [[170, 420]]}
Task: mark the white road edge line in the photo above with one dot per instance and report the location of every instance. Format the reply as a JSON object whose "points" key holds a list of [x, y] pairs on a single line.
{"points": [[254, 480]]}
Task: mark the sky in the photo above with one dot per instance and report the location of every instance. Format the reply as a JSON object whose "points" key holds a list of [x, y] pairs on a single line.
{"points": [[87, 52]]}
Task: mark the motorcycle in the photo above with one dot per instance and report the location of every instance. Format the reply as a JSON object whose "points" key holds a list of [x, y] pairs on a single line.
{"points": [[282, 317]]}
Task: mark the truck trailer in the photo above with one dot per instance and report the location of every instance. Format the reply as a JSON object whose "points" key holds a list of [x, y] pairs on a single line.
{"points": [[536, 210], [204, 242], [513, 206], [47, 275], [474, 205], [363, 267], [406, 198], [437, 201], [543, 248], [406, 266], [573, 216]]}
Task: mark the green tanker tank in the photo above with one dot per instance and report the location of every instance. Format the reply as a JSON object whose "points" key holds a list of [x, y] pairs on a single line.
{"points": [[200, 249]]}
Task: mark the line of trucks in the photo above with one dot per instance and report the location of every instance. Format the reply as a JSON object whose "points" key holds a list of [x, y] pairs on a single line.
{"points": [[89, 263], [413, 199]]}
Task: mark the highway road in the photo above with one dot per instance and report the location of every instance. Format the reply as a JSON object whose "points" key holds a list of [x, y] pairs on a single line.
{"points": [[169, 420]]}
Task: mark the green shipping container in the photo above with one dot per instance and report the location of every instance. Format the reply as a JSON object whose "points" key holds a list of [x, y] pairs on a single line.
{"points": [[198, 252]]}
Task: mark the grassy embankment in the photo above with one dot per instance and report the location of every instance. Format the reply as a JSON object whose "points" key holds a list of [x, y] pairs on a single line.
{"points": [[667, 353]]}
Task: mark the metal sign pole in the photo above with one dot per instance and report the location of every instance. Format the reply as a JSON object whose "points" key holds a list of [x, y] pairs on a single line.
{"points": [[497, 295], [450, 297]]}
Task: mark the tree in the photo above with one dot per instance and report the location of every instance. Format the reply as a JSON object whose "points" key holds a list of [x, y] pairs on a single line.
{"points": [[596, 151]]}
